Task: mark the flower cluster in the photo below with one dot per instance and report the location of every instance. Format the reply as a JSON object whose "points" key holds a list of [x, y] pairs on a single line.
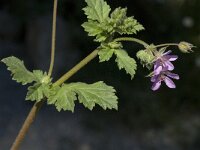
{"points": [[162, 70]]}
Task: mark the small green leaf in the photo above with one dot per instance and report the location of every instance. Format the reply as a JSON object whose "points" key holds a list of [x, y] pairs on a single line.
{"points": [[118, 16], [97, 13], [18, 70], [123, 24], [105, 54], [97, 10], [104, 26], [39, 75], [126, 62], [92, 27], [21, 74], [63, 97], [97, 93], [100, 30], [131, 26], [107, 49], [38, 91]]}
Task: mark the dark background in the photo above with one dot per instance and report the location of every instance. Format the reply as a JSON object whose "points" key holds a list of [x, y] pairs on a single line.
{"points": [[146, 120]]}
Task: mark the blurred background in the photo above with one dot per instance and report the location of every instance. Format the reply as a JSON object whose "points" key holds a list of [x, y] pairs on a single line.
{"points": [[146, 120]]}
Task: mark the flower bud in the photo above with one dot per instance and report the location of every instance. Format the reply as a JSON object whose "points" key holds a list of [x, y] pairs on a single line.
{"points": [[115, 45], [146, 58], [46, 79], [185, 47]]}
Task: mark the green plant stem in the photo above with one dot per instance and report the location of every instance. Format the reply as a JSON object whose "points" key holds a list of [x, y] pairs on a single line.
{"points": [[25, 127], [76, 68], [167, 44], [53, 41], [131, 39]]}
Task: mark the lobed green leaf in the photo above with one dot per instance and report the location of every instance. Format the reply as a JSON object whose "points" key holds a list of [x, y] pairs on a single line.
{"points": [[100, 30], [38, 91], [21, 74], [104, 25], [18, 70], [105, 54], [88, 94], [123, 24], [63, 97], [106, 50], [97, 93], [97, 10], [124, 61], [92, 27]]}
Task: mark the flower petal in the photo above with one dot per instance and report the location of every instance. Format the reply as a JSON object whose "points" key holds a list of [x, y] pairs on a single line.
{"points": [[169, 65], [156, 85], [158, 70], [171, 57], [154, 78], [169, 83], [173, 75], [165, 69], [157, 64], [166, 53]]}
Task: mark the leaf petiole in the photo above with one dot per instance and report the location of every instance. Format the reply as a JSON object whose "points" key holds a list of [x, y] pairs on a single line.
{"points": [[131, 39]]}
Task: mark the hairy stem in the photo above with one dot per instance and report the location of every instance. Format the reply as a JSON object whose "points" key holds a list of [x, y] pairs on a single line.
{"points": [[76, 68], [53, 40], [27, 123], [132, 40], [167, 44]]}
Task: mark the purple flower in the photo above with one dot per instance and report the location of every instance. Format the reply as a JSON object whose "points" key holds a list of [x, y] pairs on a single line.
{"points": [[166, 77], [162, 68], [163, 62]]}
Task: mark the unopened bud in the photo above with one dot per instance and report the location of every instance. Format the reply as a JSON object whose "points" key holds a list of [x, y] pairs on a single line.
{"points": [[146, 58], [185, 47], [46, 79], [115, 45]]}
